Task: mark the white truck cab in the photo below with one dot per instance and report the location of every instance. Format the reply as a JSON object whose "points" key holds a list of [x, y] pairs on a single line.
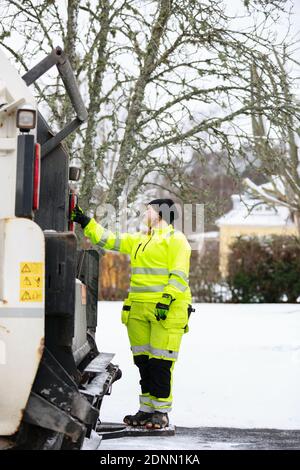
{"points": [[22, 252], [52, 376]]}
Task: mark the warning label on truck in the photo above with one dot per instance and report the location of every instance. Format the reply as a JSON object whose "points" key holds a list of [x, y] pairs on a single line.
{"points": [[31, 281]]}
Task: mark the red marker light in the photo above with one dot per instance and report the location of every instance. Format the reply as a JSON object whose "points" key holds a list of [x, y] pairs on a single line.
{"points": [[72, 204], [36, 177]]}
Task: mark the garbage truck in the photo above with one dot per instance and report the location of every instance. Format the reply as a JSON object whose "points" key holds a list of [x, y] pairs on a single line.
{"points": [[52, 377]]}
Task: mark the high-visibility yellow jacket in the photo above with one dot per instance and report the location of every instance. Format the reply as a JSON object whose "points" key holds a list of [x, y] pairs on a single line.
{"points": [[160, 262]]}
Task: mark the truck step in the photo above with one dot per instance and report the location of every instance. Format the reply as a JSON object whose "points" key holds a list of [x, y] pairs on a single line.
{"points": [[113, 431], [101, 384], [93, 442], [99, 363]]}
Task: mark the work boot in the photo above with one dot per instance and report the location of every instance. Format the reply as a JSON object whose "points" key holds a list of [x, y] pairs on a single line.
{"points": [[139, 419], [158, 420]]}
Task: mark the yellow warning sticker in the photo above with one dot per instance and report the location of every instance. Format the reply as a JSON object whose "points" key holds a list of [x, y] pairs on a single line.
{"points": [[31, 281]]}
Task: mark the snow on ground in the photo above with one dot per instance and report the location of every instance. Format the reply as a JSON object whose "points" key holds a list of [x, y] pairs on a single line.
{"points": [[164, 443], [239, 366], [210, 439]]}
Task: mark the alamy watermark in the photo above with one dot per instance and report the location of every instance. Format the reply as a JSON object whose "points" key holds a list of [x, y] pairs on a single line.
{"points": [[188, 218]]}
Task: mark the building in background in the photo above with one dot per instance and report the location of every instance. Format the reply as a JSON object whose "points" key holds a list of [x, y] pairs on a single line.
{"points": [[251, 217]]}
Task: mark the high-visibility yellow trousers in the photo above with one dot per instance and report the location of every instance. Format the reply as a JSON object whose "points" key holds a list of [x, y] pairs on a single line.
{"points": [[155, 346]]}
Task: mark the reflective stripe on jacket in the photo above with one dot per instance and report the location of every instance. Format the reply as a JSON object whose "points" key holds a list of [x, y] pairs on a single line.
{"points": [[160, 261]]}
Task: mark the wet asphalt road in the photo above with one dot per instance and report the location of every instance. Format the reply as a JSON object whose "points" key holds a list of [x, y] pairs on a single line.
{"points": [[230, 438], [209, 438]]}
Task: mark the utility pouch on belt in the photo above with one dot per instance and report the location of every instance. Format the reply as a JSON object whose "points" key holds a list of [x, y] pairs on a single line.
{"points": [[125, 311], [190, 309]]}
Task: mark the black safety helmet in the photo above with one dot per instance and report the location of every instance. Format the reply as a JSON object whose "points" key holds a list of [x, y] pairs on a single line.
{"points": [[165, 208]]}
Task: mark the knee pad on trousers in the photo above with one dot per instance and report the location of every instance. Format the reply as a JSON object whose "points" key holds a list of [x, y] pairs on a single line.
{"points": [[142, 362], [160, 377]]}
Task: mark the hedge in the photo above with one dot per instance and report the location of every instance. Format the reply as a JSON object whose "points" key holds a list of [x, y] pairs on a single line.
{"points": [[265, 269]]}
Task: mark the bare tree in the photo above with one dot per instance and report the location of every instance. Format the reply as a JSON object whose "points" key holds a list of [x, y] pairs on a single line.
{"points": [[276, 143], [160, 78]]}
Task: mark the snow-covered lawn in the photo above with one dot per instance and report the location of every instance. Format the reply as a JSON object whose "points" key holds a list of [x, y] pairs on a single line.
{"points": [[239, 366]]}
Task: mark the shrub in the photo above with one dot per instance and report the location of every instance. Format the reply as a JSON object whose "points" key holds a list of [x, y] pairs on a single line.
{"points": [[264, 269], [205, 278]]}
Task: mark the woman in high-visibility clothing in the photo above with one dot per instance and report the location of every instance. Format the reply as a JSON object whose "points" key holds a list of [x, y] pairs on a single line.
{"points": [[157, 308]]}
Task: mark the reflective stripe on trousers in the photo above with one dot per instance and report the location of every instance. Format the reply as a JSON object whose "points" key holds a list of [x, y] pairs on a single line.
{"points": [[146, 348], [146, 409], [146, 404], [149, 404], [161, 404]]}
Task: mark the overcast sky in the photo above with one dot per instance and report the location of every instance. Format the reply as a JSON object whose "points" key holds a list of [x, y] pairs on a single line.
{"points": [[234, 6]]}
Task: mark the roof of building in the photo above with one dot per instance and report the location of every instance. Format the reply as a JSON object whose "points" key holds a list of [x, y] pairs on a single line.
{"points": [[248, 211]]}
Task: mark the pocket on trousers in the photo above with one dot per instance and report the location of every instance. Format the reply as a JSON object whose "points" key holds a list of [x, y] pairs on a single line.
{"points": [[177, 316], [125, 311], [174, 340]]}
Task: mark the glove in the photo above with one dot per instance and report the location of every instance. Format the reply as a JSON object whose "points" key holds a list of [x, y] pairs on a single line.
{"points": [[162, 308], [77, 215]]}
